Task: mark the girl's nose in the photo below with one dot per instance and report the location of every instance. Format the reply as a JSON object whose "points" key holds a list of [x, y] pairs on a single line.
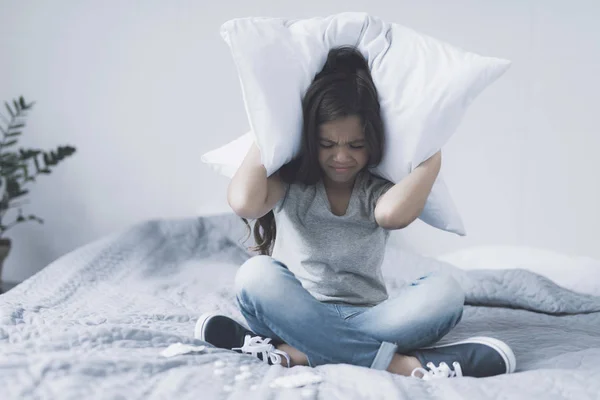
{"points": [[341, 156]]}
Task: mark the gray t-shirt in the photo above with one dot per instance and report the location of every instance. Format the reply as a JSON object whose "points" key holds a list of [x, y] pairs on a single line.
{"points": [[336, 258]]}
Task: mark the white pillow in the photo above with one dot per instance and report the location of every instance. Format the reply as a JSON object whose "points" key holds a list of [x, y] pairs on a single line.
{"points": [[577, 273], [227, 159], [424, 86]]}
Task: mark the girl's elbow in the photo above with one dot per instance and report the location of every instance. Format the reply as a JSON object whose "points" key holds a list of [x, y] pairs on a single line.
{"points": [[390, 221]]}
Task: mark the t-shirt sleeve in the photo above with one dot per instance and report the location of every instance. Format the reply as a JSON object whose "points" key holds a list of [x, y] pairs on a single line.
{"points": [[375, 188], [279, 205]]}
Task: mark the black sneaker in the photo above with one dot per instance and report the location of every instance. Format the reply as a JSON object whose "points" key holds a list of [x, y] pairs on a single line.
{"points": [[478, 356], [226, 333]]}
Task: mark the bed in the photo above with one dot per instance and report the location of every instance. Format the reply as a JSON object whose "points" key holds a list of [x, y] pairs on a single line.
{"points": [[96, 322]]}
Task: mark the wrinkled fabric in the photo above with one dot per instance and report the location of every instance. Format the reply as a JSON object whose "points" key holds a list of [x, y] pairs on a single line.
{"points": [[93, 325]]}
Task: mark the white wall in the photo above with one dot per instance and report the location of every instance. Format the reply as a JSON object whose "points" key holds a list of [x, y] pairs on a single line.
{"points": [[143, 88]]}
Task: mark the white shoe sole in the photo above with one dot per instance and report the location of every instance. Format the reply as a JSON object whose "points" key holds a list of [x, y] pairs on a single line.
{"points": [[502, 348], [200, 324]]}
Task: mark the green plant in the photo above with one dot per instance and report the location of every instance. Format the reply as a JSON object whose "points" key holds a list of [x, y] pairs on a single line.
{"points": [[15, 165]]}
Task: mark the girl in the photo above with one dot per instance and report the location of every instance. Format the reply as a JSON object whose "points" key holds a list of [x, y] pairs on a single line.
{"points": [[315, 295]]}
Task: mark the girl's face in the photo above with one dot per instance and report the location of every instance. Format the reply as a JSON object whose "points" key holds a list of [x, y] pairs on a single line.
{"points": [[342, 151]]}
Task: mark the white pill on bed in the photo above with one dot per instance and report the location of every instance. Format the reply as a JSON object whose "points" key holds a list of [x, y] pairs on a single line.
{"points": [[219, 364], [243, 376], [177, 349]]}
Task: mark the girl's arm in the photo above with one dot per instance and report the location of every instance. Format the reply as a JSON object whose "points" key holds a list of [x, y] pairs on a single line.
{"points": [[250, 193], [403, 203]]}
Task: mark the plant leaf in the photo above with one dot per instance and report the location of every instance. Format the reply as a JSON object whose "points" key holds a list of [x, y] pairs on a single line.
{"points": [[9, 110], [9, 143], [25, 106], [16, 126], [41, 221]]}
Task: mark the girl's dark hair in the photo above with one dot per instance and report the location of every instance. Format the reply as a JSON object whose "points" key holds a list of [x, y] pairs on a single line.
{"points": [[344, 87]]}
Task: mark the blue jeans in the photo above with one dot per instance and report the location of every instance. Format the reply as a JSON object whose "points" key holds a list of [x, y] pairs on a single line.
{"points": [[276, 305]]}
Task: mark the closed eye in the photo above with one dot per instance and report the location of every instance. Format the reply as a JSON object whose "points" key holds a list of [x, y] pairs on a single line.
{"points": [[352, 146]]}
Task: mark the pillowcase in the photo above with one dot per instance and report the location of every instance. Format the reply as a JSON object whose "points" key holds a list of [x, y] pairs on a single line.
{"points": [[424, 86], [227, 159]]}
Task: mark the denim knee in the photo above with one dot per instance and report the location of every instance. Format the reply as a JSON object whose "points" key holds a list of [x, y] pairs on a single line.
{"points": [[446, 292], [257, 277]]}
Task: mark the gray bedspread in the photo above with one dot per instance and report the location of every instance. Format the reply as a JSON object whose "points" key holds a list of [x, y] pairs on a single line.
{"points": [[93, 324]]}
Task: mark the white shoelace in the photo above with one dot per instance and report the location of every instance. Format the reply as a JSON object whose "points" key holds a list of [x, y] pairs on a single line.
{"points": [[255, 344], [439, 372]]}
